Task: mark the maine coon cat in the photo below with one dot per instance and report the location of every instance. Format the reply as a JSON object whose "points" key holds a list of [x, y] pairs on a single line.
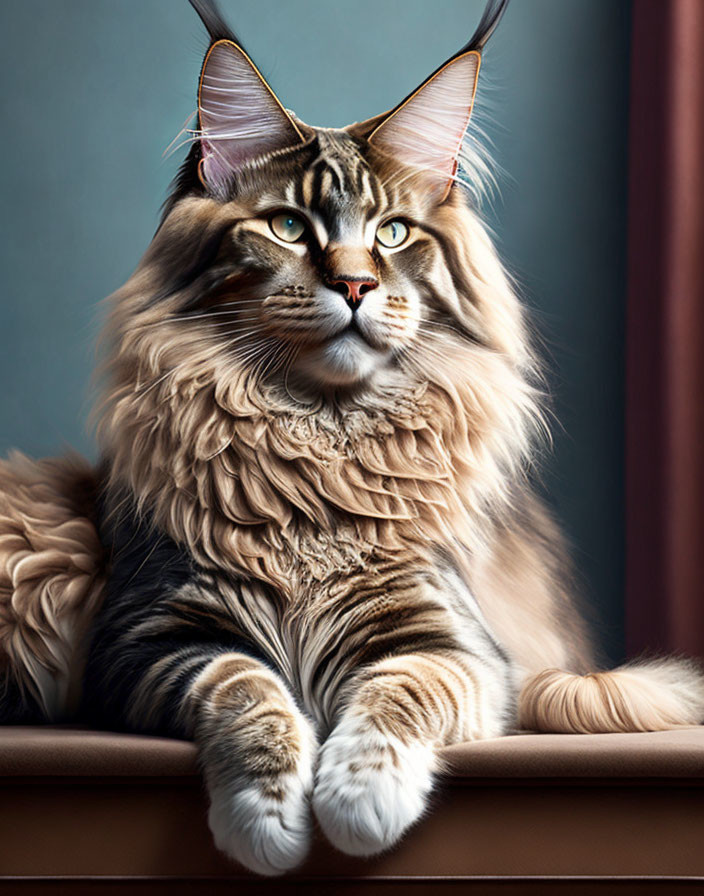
{"points": [[321, 557]]}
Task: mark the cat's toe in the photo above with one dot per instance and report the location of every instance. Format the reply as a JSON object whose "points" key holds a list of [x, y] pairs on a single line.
{"points": [[369, 790], [267, 829]]}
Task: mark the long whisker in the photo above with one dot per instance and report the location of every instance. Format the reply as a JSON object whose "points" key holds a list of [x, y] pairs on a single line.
{"points": [[430, 328], [190, 317]]}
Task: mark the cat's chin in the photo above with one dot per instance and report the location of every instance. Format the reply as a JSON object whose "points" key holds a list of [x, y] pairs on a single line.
{"points": [[345, 361]]}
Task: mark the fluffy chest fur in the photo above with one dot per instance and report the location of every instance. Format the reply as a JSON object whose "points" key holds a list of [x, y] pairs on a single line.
{"points": [[252, 482]]}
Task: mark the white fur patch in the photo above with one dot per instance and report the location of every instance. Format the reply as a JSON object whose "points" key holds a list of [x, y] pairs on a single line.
{"points": [[370, 788]]}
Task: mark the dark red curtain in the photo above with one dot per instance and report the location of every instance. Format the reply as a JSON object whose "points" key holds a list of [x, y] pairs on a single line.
{"points": [[665, 330]]}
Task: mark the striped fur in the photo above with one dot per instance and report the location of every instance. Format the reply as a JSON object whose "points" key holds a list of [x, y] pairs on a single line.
{"points": [[325, 558]]}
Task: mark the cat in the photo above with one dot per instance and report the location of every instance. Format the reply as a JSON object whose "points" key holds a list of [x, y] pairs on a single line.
{"points": [[312, 544]]}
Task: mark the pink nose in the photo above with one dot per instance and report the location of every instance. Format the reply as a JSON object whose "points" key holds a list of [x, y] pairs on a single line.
{"points": [[354, 288]]}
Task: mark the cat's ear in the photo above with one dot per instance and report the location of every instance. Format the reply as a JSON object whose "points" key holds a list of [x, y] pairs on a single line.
{"points": [[239, 116], [426, 129]]}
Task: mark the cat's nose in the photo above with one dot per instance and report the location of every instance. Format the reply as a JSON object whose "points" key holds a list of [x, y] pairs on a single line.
{"points": [[353, 288]]}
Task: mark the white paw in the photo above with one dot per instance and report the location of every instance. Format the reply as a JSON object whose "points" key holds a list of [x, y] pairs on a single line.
{"points": [[370, 788], [265, 825]]}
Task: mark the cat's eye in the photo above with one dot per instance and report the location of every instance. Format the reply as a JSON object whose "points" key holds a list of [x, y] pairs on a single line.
{"points": [[392, 234], [289, 228]]}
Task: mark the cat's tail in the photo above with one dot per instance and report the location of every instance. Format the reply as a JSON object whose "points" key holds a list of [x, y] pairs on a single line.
{"points": [[647, 695], [51, 582]]}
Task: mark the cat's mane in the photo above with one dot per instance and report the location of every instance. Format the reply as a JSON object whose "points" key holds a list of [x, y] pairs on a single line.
{"points": [[204, 442]]}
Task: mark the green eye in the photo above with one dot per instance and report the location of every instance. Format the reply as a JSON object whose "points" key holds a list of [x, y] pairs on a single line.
{"points": [[289, 228], [392, 234]]}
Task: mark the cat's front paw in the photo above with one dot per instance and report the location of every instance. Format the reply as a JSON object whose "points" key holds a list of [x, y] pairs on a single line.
{"points": [[370, 787], [265, 822]]}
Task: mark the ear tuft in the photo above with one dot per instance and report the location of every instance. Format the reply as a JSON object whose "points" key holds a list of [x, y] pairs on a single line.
{"points": [[240, 117], [492, 15], [215, 25], [427, 129]]}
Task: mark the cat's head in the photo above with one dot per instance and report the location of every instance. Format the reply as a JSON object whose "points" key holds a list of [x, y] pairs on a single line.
{"points": [[325, 254]]}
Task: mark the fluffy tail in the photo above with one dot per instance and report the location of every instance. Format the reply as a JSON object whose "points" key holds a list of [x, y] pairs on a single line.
{"points": [[51, 582], [642, 696]]}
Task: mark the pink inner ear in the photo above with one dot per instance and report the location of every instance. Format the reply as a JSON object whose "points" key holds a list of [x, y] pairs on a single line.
{"points": [[240, 118], [427, 130]]}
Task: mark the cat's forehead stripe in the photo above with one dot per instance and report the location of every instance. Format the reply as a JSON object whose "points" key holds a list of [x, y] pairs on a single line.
{"points": [[326, 183], [338, 183], [307, 187], [335, 173]]}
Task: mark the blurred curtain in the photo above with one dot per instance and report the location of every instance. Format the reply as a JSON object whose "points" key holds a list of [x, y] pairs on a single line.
{"points": [[665, 330]]}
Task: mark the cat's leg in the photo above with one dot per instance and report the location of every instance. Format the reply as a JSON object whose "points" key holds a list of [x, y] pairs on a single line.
{"points": [[171, 655], [256, 748], [257, 752], [376, 768]]}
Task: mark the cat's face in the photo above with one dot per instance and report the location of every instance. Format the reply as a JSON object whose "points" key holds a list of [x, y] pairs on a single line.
{"points": [[339, 251], [333, 261]]}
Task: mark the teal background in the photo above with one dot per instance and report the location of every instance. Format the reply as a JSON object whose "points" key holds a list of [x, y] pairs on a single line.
{"points": [[95, 90]]}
